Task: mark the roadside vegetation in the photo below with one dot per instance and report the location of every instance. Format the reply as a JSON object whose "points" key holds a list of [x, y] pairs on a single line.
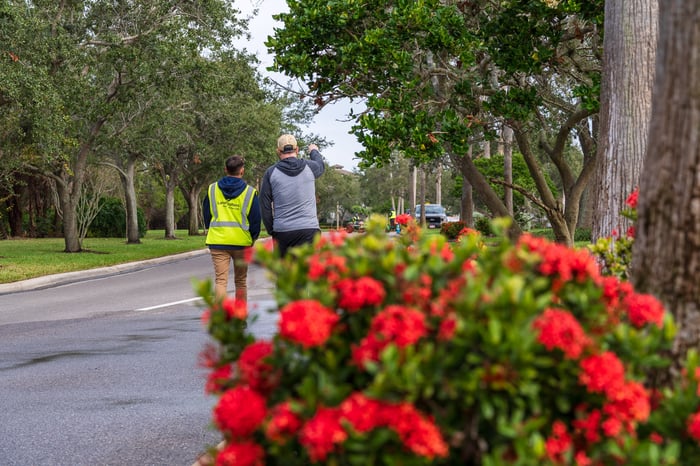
{"points": [[22, 259], [26, 258]]}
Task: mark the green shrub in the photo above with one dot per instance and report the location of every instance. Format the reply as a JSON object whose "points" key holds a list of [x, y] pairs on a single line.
{"points": [[452, 229], [110, 221], [582, 234], [482, 224]]}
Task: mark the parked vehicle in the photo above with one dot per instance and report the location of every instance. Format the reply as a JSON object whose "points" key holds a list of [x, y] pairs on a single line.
{"points": [[434, 215]]}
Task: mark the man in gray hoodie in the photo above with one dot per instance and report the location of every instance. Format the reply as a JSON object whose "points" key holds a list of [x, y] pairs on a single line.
{"points": [[288, 195]]}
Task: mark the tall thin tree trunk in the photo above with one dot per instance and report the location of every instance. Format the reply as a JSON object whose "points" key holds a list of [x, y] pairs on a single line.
{"points": [[170, 210], [666, 252], [423, 181], [628, 76], [191, 196], [508, 168], [132, 219], [68, 203]]}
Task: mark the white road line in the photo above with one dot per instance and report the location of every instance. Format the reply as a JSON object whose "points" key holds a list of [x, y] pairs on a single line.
{"points": [[174, 303]]}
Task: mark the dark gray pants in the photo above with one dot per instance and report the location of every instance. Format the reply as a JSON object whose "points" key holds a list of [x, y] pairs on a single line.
{"points": [[289, 239]]}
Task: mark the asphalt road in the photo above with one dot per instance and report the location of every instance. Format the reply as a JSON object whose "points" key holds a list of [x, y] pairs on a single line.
{"points": [[103, 369]]}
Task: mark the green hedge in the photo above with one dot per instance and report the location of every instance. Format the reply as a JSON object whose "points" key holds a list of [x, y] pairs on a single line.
{"points": [[110, 221]]}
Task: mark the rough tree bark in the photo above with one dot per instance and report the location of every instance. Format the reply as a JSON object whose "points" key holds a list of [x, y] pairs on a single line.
{"points": [[627, 79], [666, 252], [191, 195], [132, 220]]}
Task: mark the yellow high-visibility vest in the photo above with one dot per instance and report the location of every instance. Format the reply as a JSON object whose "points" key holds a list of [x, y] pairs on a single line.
{"points": [[229, 217]]}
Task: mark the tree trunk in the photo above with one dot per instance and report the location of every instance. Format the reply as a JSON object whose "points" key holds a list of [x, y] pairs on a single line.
{"points": [[68, 202], [485, 191], [666, 252], [69, 183], [132, 220], [466, 213], [508, 168], [170, 210], [14, 213], [191, 195], [467, 204], [561, 213], [626, 89], [423, 181]]}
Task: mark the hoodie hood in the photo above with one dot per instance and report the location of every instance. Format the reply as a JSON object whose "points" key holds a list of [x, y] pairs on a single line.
{"points": [[291, 166], [231, 186]]}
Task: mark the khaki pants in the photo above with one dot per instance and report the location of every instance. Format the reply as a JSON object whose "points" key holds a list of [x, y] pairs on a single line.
{"points": [[222, 262]]}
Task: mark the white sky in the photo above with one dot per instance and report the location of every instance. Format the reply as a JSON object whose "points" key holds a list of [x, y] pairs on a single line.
{"points": [[330, 121]]}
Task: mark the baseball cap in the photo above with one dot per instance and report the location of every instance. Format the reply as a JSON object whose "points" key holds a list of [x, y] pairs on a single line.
{"points": [[286, 143]]}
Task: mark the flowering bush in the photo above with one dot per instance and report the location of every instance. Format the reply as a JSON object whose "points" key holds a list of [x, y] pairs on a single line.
{"points": [[411, 350], [614, 252], [451, 230]]}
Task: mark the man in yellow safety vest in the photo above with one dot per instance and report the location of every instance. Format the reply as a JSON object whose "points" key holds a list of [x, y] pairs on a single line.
{"points": [[232, 217]]}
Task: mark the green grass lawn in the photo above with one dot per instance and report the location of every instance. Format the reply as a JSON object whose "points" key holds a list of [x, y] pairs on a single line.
{"points": [[21, 259]]}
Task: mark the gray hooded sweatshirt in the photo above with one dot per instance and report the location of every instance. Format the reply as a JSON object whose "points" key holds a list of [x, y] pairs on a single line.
{"points": [[288, 194]]}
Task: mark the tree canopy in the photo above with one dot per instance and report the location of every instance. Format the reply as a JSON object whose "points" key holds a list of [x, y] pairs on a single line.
{"points": [[158, 83], [439, 77]]}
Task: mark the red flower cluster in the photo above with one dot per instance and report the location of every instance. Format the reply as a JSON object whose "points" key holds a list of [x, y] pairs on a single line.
{"points": [[627, 405], [442, 305], [353, 295], [621, 300], [559, 443], [589, 425], [235, 308], [307, 322], [466, 231], [254, 370], [335, 237], [694, 426], [322, 432], [560, 262], [327, 265], [419, 294], [240, 411], [632, 199], [626, 402], [418, 433], [643, 309], [283, 424], [602, 373], [364, 414], [403, 219], [560, 329], [447, 329], [614, 292], [445, 250], [217, 379], [241, 454], [395, 324]]}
